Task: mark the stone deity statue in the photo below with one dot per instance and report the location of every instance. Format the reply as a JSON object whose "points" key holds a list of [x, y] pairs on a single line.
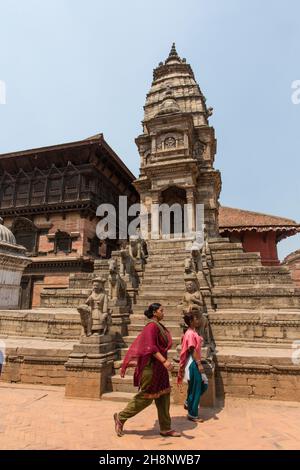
{"points": [[94, 314], [193, 302]]}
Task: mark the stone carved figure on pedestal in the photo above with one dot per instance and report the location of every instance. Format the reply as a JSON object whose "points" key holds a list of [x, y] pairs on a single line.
{"points": [[127, 267], [196, 257], [188, 266], [193, 299], [94, 314], [138, 247], [206, 251], [193, 302], [116, 285]]}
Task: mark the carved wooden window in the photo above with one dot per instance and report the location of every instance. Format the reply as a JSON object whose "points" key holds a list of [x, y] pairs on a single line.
{"points": [[26, 234], [7, 194], [71, 187], [38, 191], [22, 192], [54, 189], [62, 242]]}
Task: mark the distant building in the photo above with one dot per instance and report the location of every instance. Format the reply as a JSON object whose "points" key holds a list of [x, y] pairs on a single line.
{"points": [[257, 232], [49, 197]]}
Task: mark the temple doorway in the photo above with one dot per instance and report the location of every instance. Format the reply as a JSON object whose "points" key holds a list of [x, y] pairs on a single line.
{"points": [[173, 226]]}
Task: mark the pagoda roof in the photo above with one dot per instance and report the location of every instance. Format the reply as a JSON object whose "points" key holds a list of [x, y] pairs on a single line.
{"points": [[43, 152], [232, 219]]}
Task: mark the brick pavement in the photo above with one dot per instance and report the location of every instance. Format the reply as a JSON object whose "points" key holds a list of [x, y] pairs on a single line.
{"points": [[37, 417]]}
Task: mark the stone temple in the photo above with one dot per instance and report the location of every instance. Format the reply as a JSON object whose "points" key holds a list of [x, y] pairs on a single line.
{"points": [[250, 303]]}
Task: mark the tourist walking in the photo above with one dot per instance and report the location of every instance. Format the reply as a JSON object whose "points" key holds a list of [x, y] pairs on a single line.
{"points": [[190, 368], [148, 354]]}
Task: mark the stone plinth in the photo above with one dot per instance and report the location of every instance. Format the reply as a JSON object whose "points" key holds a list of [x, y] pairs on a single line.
{"points": [[89, 366]]}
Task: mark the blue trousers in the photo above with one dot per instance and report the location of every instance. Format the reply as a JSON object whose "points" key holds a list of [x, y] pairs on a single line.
{"points": [[196, 388]]}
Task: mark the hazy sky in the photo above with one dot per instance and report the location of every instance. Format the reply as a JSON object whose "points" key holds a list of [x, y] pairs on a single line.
{"points": [[74, 68]]}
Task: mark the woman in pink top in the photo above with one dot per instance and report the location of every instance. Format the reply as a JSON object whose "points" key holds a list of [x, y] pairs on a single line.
{"points": [[190, 367]]}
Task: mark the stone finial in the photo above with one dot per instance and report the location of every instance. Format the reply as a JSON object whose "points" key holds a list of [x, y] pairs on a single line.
{"points": [[173, 52], [173, 55]]}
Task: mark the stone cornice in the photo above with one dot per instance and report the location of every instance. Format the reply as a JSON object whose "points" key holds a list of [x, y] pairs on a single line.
{"points": [[257, 369]]}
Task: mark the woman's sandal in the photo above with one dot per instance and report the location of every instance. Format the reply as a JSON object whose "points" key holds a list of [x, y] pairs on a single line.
{"points": [[118, 425], [195, 420], [171, 433]]}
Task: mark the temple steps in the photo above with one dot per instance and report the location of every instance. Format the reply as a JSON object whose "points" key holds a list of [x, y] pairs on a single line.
{"points": [[172, 315], [35, 360], [149, 295], [228, 260], [171, 354], [128, 340], [135, 328], [56, 324]]}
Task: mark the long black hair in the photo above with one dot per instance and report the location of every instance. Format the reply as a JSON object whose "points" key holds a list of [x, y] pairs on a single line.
{"points": [[149, 313]]}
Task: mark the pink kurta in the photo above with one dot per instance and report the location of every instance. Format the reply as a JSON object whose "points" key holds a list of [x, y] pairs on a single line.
{"points": [[191, 339]]}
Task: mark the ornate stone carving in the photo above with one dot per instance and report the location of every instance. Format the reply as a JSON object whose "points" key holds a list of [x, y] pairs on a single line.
{"points": [[170, 142], [127, 267], [138, 247], [86, 319], [206, 251], [116, 285], [196, 258], [198, 149], [193, 302], [193, 299], [94, 314]]}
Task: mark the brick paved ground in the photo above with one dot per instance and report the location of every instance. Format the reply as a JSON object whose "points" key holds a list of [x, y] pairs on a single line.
{"points": [[33, 417]]}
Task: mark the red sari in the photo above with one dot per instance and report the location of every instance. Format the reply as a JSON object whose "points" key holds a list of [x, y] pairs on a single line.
{"points": [[153, 338]]}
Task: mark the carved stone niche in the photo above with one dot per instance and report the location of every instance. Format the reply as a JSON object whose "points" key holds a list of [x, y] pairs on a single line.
{"points": [[169, 141], [198, 149]]}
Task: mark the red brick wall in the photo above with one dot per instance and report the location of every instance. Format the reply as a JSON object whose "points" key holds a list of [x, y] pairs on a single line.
{"points": [[54, 280], [260, 242]]}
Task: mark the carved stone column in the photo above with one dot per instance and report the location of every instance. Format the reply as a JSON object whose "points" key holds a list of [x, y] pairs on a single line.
{"points": [[155, 218], [191, 222]]}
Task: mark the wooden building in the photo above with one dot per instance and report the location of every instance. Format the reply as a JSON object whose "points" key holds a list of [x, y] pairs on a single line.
{"points": [[49, 197]]}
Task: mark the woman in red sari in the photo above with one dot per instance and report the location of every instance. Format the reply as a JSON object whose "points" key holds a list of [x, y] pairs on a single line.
{"points": [[149, 355]]}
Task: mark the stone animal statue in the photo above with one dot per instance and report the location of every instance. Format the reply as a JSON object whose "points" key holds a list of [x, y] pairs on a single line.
{"points": [[116, 285], [86, 319]]}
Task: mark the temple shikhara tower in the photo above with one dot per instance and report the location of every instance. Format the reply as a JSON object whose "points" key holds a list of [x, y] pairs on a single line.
{"points": [[247, 301], [177, 147]]}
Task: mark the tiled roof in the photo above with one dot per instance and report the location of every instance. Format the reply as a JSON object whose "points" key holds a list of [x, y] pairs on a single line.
{"points": [[231, 219]]}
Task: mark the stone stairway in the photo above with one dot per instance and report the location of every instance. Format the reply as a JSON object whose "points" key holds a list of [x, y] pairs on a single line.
{"points": [[258, 306], [163, 282], [240, 280]]}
